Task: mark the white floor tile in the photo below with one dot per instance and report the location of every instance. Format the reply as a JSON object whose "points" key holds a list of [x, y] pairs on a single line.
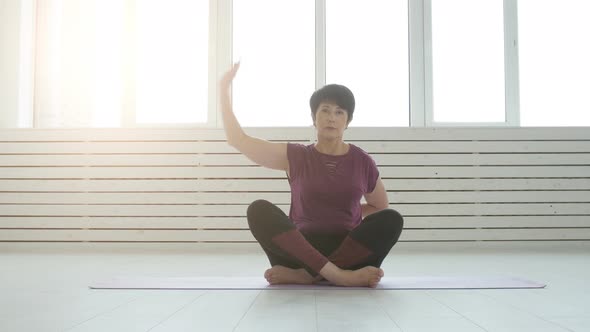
{"points": [[281, 310], [349, 310], [44, 287], [214, 311], [492, 315]]}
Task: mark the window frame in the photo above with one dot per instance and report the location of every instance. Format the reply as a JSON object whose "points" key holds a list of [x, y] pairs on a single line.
{"points": [[420, 57], [220, 60], [219, 21], [511, 80]]}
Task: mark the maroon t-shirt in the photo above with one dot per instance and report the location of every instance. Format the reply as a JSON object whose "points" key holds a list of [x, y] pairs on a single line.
{"points": [[326, 190]]}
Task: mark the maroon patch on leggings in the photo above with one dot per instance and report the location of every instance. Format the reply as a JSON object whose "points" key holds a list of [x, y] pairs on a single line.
{"points": [[349, 254], [297, 246]]}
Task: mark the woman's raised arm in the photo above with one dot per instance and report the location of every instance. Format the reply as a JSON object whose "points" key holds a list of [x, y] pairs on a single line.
{"points": [[262, 152]]}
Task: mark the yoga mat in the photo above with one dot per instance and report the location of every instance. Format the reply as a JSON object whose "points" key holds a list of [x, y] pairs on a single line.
{"points": [[249, 283]]}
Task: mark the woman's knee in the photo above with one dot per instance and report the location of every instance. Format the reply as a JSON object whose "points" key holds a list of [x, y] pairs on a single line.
{"points": [[392, 220], [263, 214], [267, 219], [258, 211]]}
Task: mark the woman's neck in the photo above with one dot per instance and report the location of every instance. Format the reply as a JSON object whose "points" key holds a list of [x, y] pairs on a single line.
{"points": [[332, 147]]}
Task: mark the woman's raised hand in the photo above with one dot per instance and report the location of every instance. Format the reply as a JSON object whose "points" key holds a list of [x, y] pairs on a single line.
{"points": [[228, 77]]}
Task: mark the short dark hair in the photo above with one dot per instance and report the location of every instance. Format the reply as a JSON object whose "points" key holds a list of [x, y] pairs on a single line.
{"points": [[335, 93]]}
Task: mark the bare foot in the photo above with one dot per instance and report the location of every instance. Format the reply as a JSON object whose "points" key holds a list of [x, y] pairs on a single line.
{"points": [[279, 274], [368, 276]]}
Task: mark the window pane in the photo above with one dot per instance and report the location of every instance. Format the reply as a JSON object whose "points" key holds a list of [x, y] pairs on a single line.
{"points": [[468, 61], [9, 63], [554, 69], [81, 63], [108, 81], [172, 61], [275, 42], [73, 62], [370, 57]]}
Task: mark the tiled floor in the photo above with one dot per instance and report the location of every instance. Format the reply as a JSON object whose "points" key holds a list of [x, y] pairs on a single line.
{"points": [[44, 287]]}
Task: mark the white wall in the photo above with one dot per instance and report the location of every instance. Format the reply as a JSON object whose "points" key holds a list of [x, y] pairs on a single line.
{"points": [[9, 62], [189, 185]]}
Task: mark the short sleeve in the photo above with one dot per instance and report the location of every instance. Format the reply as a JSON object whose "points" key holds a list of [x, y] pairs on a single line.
{"points": [[296, 157], [372, 174]]}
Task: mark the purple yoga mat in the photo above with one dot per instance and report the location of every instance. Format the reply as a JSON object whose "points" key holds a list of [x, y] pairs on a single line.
{"points": [[245, 283]]}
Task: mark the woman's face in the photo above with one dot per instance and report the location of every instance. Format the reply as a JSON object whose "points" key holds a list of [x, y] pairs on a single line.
{"points": [[330, 120]]}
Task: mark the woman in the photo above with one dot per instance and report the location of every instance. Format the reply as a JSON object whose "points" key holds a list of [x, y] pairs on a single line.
{"points": [[328, 234]]}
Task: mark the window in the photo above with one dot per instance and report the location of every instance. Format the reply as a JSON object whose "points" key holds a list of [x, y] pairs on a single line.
{"points": [[108, 75], [276, 77], [120, 63], [100, 62], [172, 61], [67, 62], [367, 50], [468, 61], [554, 68]]}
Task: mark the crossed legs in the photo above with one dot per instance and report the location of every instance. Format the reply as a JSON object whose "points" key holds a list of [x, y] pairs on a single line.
{"points": [[352, 259]]}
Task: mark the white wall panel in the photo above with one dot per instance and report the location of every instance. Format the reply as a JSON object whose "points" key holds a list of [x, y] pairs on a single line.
{"points": [[176, 185]]}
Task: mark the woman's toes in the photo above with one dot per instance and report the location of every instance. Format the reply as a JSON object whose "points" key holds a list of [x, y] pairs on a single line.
{"points": [[267, 273], [374, 281]]}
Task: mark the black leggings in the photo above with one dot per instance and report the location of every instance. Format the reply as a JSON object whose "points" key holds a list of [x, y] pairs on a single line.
{"points": [[366, 245]]}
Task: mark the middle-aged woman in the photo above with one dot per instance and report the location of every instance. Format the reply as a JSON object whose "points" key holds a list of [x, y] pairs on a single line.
{"points": [[328, 234]]}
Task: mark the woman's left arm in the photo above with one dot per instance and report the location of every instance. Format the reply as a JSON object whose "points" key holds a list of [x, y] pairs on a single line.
{"points": [[376, 201]]}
